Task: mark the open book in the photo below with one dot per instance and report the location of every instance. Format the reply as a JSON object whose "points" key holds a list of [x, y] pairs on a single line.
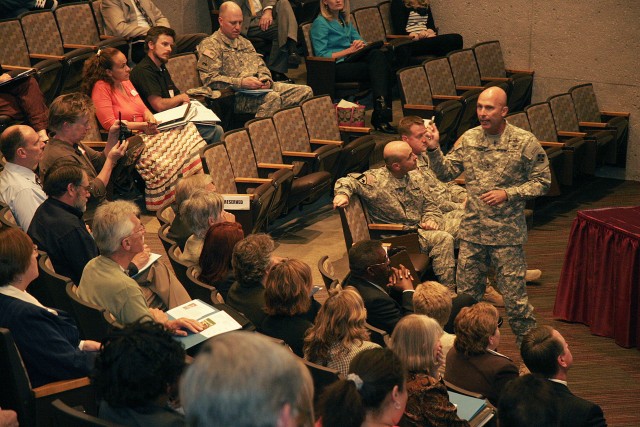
{"points": [[217, 321], [194, 112]]}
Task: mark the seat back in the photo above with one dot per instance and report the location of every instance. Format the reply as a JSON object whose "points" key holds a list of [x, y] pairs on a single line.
{"points": [[180, 268], [92, 320], [216, 162], [464, 67], [41, 32], [322, 377], [240, 153], [201, 290], [440, 77], [65, 415], [183, 71], [15, 392], [355, 156], [489, 59], [354, 222], [414, 86], [519, 120], [320, 118], [49, 287], [163, 232], [166, 214], [385, 13], [585, 102], [265, 141], [13, 49], [564, 113], [541, 120], [306, 33], [370, 25], [377, 335], [48, 75], [325, 267], [291, 129], [77, 24], [96, 7]]}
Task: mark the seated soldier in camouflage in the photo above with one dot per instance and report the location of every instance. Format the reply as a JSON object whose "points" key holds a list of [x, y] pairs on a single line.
{"points": [[399, 194], [226, 59]]}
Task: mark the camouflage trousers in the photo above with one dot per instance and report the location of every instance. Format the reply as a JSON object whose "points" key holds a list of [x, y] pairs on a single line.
{"points": [[283, 95], [510, 268], [439, 245]]}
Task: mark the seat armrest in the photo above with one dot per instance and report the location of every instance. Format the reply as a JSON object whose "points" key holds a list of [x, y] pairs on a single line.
{"points": [[399, 37], [242, 180], [572, 134], [355, 129], [495, 79], [615, 113], [513, 71], [15, 67], [300, 154], [593, 125], [78, 46], [446, 97], [389, 227], [551, 144], [60, 386], [325, 142], [463, 88], [43, 56], [460, 180], [419, 107], [274, 166]]}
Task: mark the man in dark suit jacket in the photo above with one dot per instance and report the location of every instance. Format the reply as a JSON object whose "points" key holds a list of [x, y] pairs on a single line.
{"points": [[371, 274], [546, 354]]}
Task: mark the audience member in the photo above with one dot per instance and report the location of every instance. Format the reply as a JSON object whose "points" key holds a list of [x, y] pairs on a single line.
{"points": [[416, 342], [473, 362], [179, 230], [397, 194], [20, 187], [47, 339], [372, 275], [415, 18], [153, 81], [136, 376], [8, 418], [119, 235], [242, 379], [289, 305], [275, 22], [374, 392], [69, 120], [339, 332], [59, 230], [228, 60], [499, 182], [200, 211], [22, 100], [252, 257], [546, 353], [133, 18], [334, 36], [528, 401], [434, 300], [215, 259]]}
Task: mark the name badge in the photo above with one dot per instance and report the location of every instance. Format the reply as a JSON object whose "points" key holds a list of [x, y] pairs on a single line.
{"points": [[134, 92], [171, 93]]}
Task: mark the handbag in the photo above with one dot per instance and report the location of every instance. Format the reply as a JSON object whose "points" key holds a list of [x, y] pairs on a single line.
{"points": [[350, 115]]}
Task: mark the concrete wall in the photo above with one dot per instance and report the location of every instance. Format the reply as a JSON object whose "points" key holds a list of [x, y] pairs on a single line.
{"points": [[566, 43]]}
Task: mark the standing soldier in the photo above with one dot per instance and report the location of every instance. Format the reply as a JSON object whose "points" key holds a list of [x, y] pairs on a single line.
{"points": [[504, 166]]}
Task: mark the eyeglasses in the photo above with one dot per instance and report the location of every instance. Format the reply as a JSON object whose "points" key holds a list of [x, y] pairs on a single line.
{"points": [[142, 229], [386, 263], [500, 320], [84, 187], [35, 248]]}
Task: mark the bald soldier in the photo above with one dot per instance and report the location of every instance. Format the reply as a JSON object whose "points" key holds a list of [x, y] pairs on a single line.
{"points": [[504, 166], [226, 59], [398, 194]]}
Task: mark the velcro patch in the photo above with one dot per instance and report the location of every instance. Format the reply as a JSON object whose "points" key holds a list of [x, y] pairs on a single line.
{"points": [[541, 157]]}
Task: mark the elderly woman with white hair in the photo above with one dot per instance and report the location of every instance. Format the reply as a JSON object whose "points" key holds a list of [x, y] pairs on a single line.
{"points": [[200, 211], [244, 379]]}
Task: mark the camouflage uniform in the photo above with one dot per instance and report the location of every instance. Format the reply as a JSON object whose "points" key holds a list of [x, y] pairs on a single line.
{"points": [[390, 200], [514, 162], [223, 63]]}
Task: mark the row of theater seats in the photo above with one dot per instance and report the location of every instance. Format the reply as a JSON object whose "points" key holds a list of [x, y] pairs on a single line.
{"points": [[286, 161], [56, 44]]}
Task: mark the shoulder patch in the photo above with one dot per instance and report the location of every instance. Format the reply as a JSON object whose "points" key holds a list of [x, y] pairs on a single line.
{"points": [[541, 157], [361, 177], [208, 52]]}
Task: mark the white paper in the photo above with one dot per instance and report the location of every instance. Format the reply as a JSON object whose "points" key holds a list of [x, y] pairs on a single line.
{"points": [[152, 258], [218, 323], [193, 310]]}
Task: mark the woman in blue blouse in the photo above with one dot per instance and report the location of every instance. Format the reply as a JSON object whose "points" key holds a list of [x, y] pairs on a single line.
{"points": [[333, 36]]}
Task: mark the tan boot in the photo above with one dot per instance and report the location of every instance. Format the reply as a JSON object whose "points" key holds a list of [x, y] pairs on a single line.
{"points": [[532, 275], [493, 297]]}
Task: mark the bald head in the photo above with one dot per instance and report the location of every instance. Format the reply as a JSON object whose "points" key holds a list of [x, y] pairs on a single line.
{"points": [[399, 158], [492, 109], [230, 19], [21, 144]]}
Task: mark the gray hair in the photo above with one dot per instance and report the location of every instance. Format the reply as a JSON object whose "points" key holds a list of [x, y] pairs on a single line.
{"points": [[252, 257], [111, 224], [243, 379], [189, 185], [197, 210]]}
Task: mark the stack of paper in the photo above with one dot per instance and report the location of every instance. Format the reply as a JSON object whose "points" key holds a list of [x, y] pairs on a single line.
{"points": [[194, 112], [477, 411]]}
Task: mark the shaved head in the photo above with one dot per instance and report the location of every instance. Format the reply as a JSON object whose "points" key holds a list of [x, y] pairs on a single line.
{"points": [[492, 109], [229, 6], [496, 94], [399, 158], [230, 19]]}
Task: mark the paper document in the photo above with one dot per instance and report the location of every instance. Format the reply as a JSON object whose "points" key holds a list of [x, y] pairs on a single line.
{"points": [[152, 258]]}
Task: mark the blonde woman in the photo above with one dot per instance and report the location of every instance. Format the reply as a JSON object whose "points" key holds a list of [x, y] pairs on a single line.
{"points": [[416, 342], [339, 332], [415, 18]]}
